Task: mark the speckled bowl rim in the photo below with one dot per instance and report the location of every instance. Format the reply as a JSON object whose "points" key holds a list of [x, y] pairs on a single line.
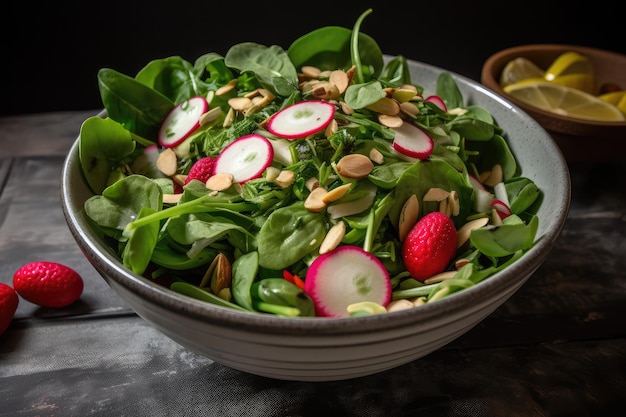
{"points": [[110, 266]]}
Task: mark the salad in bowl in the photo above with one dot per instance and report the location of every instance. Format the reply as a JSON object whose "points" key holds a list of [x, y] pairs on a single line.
{"points": [[315, 181]]}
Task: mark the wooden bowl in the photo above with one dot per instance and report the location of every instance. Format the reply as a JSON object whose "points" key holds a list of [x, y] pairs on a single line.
{"points": [[579, 140]]}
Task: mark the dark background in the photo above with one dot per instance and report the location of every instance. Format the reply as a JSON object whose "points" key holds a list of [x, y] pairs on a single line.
{"points": [[52, 51]]}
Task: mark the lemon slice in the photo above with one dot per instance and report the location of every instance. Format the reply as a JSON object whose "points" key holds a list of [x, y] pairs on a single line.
{"points": [[569, 63], [583, 82], [617, 98], [519, 69], [564, 100]]}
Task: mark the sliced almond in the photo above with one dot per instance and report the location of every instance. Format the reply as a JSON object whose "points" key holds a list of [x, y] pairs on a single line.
{"points": [[376, 156], [226, 88], [240, 103], [336, 193], [399, 305], [340, 80], [390, 121], [179, 178], [408, 216], [310, 72], [355, 166], [171, 198], [312, 183], [315, 200], [333, 237], [403, 95], [285, 178], [453, 200], [332, 128], [496, 176], [463, 233], [345, 108], [210, 116], [409, 109], [220, 182], [385, 105], [167, 163], [435, 194], [271, 173], [440, 277]]}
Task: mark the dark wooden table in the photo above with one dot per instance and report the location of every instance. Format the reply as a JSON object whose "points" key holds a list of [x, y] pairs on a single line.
{"points": [[556, 348]]}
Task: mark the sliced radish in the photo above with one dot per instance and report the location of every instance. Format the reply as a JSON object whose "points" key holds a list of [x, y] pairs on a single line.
{"points": [[437, 101], [246, 158], [476, 184], [301, 119], [344, 276], [502, 208], [411, 140], [182, 121]]}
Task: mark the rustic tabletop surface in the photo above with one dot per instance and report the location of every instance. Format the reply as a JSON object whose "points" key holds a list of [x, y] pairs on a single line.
{"points": [[556, 348]]}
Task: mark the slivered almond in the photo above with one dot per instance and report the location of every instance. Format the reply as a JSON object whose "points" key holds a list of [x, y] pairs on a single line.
{"points": [[312, 183], [355, 166], [179, 178], [336, 193], [408, 216], [333, 237], [332, 128], [167, 162], [345, 108], [271, 173]]}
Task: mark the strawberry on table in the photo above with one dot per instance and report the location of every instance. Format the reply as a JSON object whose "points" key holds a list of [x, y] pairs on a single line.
{"points": [[8, 305], [430, 246], [48, 284]]}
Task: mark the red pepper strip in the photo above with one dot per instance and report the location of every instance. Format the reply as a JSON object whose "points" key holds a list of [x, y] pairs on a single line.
{"points": [[298, 281], [288, 276]]}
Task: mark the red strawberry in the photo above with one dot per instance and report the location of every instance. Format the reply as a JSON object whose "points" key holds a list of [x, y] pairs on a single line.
{"points": [[48, 284], [430, 245], [8, 304], [201, 170]]}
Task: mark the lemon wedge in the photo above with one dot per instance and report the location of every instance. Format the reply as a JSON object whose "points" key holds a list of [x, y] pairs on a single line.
{"points": [[564, 100], [519, 69], [617, 98]]}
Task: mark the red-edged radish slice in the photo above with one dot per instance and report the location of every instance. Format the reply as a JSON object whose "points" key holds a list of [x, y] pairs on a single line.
{"points": [[344, 276], [182, 121], [410, 140], [437, 101], [502, 208], [301, 119], [246, 158]]}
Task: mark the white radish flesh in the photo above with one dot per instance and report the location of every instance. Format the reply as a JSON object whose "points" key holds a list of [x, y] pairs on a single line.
{"points": [[344, 276], [182, 121], [301, 119], [246, 158]]}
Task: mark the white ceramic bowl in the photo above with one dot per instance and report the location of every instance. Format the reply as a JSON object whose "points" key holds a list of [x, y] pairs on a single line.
{"points": [[318, 349]]}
